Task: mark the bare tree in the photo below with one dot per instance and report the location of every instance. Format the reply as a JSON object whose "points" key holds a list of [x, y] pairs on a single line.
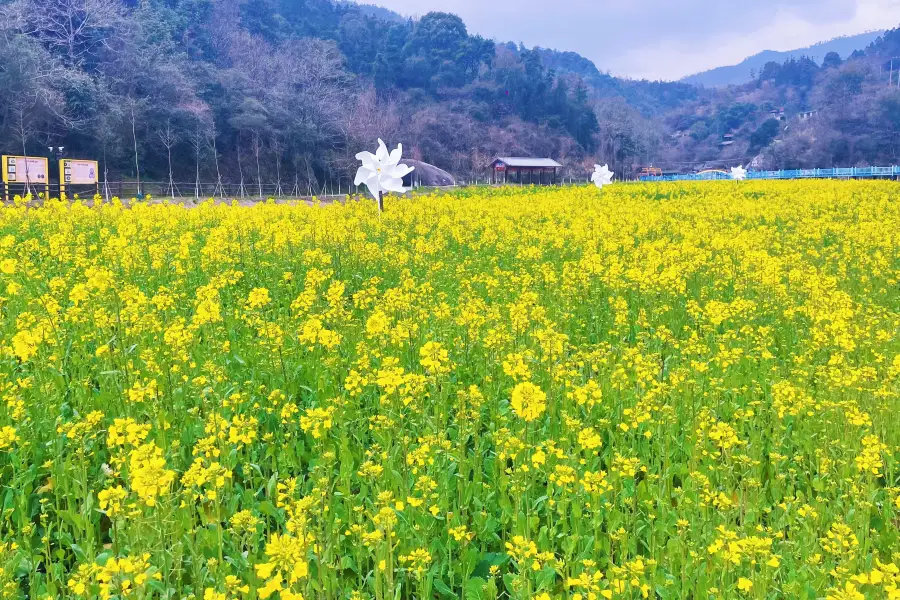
{"points": [[568, 149], [211, 143], [73, 29], [278, 150], [134, 106], [198, 144], [104, 134], [243, 190], [23, 131], [30, 110], [168, 136], [294, 92], [479, 161], [366, 120], [460, 162], [295, 191], [31, 102], [257, 147], [198, 112], [310, 176], [626, 137], [224, 25]]}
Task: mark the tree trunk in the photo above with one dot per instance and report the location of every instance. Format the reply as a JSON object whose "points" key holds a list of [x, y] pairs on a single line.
{"points": [[258, 171], [309, 188], [23, 133], [240, 167], [278, 190], [137, 164], [197, 165], [277, 150], [105, 174], [219, 191], [171, 179]]}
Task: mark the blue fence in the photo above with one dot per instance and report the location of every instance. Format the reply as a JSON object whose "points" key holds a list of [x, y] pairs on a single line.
{"points": [[849, 173]]}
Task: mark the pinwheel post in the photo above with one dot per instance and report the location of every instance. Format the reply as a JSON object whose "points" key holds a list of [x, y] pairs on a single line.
{"points": [[382, 172], [739, 173]]}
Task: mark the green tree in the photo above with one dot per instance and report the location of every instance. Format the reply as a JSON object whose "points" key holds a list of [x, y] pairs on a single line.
{"points": [[764, 135], [889, 118], [832, 60]]}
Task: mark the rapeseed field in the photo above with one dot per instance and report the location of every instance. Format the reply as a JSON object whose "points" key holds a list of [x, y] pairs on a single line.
{"points": [[655, 391]]}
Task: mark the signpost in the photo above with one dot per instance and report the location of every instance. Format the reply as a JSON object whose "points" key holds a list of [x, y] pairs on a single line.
{"points": [[26, 170], [77, 172]]}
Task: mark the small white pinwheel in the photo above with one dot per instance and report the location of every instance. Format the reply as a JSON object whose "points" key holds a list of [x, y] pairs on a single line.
{"points": [[602, 176], [738, 173], [382, 172]]}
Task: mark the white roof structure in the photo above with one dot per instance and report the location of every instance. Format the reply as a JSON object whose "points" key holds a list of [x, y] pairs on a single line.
{"points": [[518, 161]]}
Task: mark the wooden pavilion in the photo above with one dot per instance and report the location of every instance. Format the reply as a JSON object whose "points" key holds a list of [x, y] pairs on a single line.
{"points": [[524, 171]]}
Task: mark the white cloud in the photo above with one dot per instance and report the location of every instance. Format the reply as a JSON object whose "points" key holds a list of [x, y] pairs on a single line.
{"points": [[660, 38]]}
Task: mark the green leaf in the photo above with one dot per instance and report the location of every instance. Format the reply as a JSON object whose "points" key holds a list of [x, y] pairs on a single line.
{"points": [[509, 580], [474, 589], [72, 518], [443, 589], [79, 553], [267, 508], [488, 560]]}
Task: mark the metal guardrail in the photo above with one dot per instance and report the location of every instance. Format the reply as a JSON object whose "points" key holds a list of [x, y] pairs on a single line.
{"points": [[836, 173], [162, 190]]}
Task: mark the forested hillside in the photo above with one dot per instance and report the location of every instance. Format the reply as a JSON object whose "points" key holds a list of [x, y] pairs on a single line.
{"points": [[285, 92], [271, 90], [798, 114]]}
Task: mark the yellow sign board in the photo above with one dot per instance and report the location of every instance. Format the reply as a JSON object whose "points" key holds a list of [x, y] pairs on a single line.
{"points": [[78, 172], [25, 169]]}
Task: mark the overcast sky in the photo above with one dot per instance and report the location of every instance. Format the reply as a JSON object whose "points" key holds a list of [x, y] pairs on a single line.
{"points": [[663, 39]]}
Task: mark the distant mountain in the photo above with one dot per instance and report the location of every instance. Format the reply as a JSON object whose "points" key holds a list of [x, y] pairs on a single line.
{"points": [[740, 74]]}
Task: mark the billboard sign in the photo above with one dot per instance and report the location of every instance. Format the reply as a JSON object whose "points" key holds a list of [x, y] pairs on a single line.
{"points": [[78, 172], [25, 169]]}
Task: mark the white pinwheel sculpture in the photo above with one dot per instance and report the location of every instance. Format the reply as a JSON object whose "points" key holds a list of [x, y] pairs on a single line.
{"points": [[602, 176], [738, 173], [382, 172]]}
